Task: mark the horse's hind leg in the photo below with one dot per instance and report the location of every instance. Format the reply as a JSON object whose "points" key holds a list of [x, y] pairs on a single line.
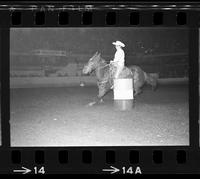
{"points": [[137, 91]]}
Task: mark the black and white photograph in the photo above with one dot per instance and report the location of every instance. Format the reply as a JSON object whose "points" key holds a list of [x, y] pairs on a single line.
{"points": [[111, 86], [0, 97], [199, 85]]}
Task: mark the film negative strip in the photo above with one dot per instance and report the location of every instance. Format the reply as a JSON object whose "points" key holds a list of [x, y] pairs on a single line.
{"points": [[99, 88]]}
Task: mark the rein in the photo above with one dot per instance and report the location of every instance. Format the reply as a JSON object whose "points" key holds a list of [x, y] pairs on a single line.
{"points": [[105, 66], [103, 81]]}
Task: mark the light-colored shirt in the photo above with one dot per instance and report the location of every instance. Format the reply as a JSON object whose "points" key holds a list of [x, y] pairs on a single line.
{"points": [[119, 57]]}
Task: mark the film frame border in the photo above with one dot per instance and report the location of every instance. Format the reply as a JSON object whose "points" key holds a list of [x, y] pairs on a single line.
{"points": [[117, 156]]}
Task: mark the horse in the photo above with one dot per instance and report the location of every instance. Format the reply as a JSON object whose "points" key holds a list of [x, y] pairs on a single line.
{"points": [[105, 74]]}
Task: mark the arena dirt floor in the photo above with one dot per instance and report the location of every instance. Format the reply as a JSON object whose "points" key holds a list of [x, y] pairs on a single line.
{"points": [[60, 117]]}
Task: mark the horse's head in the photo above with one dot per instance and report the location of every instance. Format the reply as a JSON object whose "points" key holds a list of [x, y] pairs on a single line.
{"points": [[91, 64]]}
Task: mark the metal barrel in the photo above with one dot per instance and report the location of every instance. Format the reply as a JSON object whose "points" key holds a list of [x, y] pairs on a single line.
{"points": [[123, 94]]}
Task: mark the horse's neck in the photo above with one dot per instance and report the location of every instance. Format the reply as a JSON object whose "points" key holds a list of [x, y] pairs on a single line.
{"points": [[100, 70]]}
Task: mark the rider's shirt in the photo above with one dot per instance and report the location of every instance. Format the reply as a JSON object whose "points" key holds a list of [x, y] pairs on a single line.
{"points": [[119, 57]]}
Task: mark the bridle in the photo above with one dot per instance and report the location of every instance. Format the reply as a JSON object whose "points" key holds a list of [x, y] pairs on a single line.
{"points": [[102, 66]]}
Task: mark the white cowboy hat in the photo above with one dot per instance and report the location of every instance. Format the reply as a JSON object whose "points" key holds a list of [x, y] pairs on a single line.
{"points": [[118, 43]]}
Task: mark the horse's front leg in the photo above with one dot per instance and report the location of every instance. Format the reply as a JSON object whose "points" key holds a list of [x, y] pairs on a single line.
{"points": [[99, 98], [95, 101], [102, 91]]}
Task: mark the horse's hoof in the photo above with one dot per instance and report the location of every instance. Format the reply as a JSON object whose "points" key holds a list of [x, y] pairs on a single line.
{"points": [[101, 101], [91, 104]]}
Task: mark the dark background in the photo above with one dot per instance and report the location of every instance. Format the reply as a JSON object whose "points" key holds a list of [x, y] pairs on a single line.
{"points": [[160, 50], [87, 41]]}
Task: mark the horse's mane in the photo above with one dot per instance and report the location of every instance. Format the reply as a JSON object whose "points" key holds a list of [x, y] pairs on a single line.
{"points": [[102, 60]]}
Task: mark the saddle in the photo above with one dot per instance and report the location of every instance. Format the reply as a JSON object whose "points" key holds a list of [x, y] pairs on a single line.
{"points": [[125, 73]]}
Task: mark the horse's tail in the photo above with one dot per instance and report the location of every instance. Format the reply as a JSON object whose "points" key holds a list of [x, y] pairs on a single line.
{"points": [[152, 79]]}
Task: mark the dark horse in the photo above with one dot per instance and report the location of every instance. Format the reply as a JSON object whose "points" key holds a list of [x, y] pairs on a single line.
{"points": [[105, 73]]}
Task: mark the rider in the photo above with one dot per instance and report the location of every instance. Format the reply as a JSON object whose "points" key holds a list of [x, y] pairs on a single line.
{"points": [[119, 58]]}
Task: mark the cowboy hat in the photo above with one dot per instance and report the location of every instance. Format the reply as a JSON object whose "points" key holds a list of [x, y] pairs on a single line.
{"points": [[118, 43]]}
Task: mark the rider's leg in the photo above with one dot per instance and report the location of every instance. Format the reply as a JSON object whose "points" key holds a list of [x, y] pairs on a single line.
{"points": [[119, 69]]}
